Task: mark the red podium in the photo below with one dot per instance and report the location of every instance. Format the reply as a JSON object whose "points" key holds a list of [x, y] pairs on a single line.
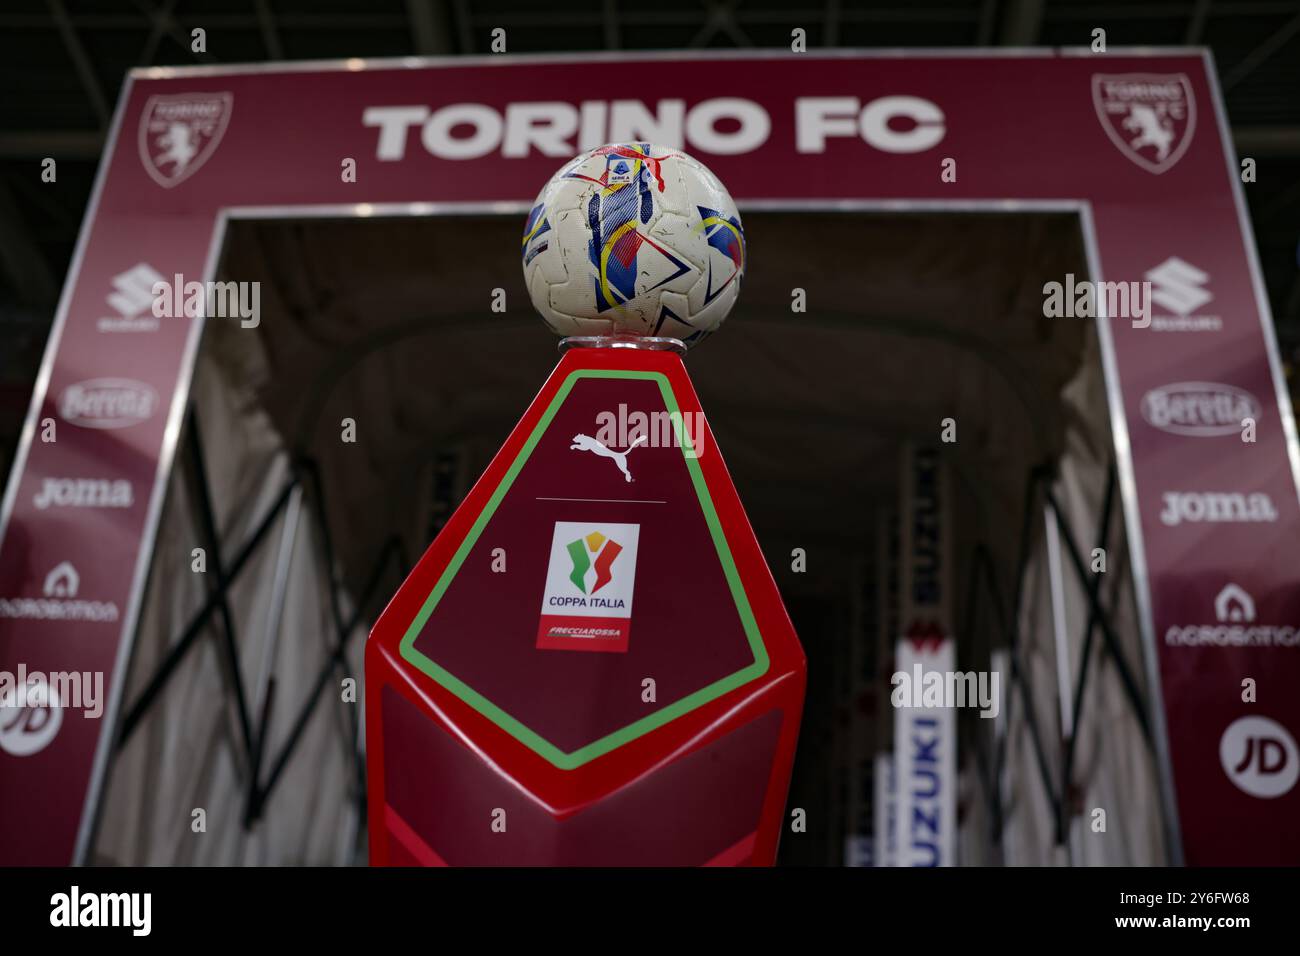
{"points": [[591, 664]]}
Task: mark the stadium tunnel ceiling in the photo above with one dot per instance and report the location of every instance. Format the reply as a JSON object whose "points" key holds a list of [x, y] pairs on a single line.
{"points": [[381, 321], [69, 58]]}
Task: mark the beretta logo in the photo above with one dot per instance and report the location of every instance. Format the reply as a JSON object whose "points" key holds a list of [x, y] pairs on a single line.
{"points": [[107, 403], [1200, 409], [178, 134]]}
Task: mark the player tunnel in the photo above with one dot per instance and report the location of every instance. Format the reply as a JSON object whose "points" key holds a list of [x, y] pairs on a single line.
{"points": [[326, 445]]}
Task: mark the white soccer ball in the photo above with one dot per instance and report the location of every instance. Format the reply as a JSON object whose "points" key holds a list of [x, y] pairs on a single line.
{"points": [[633, 238]]}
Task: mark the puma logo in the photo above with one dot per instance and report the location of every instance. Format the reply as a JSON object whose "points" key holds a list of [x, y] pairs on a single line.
{"points": [[1144, 121], [587, 443]]}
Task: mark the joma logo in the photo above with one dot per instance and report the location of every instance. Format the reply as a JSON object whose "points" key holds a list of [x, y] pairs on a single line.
{"points": [[1194, 507], [83, 493]]}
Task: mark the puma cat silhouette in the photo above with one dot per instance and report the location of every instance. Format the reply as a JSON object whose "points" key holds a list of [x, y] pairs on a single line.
{"points": [[587, 443]]}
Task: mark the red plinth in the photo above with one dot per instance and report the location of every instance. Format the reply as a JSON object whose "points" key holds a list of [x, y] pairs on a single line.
{"points": [[591, 664]]}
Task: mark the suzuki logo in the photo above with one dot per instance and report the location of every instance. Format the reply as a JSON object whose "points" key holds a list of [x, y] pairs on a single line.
{"points": [[134, 289], [1260, 757], [1177, 286]]}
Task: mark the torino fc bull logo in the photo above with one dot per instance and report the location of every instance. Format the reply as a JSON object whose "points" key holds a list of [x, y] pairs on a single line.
{"points": [[179, 133], [1151, 117]]}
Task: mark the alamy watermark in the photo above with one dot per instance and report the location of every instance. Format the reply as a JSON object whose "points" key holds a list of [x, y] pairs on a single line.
{"points": [[1089, 300], [78, 908], [624, 429], [220, 300], [935, 689], [32, 705], [26, 690]]}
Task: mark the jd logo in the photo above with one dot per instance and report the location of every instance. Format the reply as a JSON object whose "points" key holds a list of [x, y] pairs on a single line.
{"points": [[29, 729], [580, 551], [1259, 755]]}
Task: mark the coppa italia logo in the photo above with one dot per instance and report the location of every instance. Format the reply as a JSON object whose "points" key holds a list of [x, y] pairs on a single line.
{"points": [[587, 602], [605, 549]]}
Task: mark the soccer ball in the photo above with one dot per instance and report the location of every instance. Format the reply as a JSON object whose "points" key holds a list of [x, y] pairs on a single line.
{"points": [[633, 238]]}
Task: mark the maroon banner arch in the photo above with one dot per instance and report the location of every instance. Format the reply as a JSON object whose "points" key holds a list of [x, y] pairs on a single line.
{"points": [[192, 149]]}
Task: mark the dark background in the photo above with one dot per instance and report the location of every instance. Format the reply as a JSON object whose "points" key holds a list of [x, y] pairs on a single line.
{"points": [[62, 63]]}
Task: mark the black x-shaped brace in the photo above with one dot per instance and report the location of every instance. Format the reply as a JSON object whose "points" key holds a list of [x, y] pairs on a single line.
{"points": [[984, 572], [304, 480]]}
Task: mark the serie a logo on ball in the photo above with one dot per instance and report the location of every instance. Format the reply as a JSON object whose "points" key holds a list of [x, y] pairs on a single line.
{"points": [[634, 238]]}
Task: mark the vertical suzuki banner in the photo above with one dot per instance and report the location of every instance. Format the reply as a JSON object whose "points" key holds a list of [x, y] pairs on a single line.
{"points": [[925, 723], [885, 798], [859, 842], [1133, 144]]}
